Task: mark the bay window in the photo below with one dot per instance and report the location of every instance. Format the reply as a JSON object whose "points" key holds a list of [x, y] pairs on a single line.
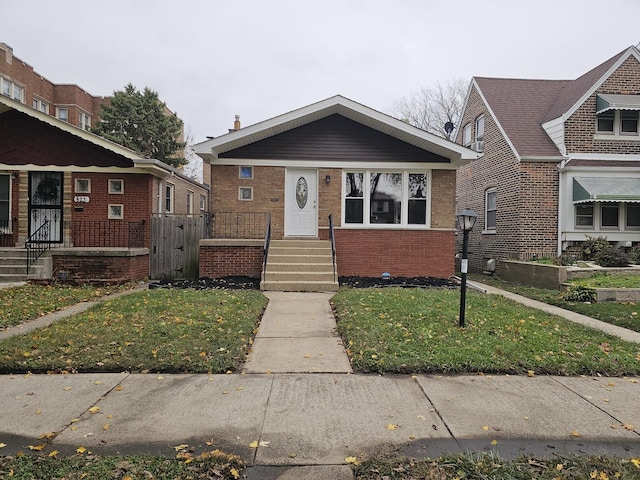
{"points": [[386, 198]]}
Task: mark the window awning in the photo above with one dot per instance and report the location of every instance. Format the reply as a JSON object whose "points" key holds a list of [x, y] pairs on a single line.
{"points": [[606, 101], [606, 189]]}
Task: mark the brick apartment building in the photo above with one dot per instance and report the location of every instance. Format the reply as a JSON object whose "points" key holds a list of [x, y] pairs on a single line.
{"points": [[560, 162], [63, 186]]}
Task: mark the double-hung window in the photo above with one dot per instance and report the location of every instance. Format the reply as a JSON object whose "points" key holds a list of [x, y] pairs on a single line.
{"points": [[584, 215], [169, 191], [490, 209], [386, 198]]}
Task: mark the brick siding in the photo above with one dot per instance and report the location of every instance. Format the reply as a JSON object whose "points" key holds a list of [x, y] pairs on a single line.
{"points": [[222, 261], [95, 268]]}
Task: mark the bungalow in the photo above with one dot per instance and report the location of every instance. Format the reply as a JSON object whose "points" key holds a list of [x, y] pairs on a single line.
{"points": [[336, 172], [87, 205], [560, 161]]}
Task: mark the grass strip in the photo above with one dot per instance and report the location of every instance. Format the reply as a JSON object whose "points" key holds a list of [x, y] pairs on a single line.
{"points": [[171, 331], [491, 466], [27, 302], [397, 330], [209, 465]]}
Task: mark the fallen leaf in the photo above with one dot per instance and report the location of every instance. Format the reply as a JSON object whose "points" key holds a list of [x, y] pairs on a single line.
{"points": [[81, 449], [180, 447], [531, 373], [106, 426], [391, 426], [253, 444], [559, 466], [235, 473], [627, 426], [575, 433], [352, 460], [636, 462], [38, 412], [37, 448], [2, 445], [98, 383], [494, 442], [66, 389], [264, 444], [94, 409], [118, 388], [54, 453], [485, 428]]}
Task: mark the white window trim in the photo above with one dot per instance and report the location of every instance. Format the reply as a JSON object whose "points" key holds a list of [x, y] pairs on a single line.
{"points": [[190, 196], [58, 110], [76, 189], [115, 191], [466, 135], [593, 218], [171, 198], [113, 216], [240, 167], [404, 212], [617, 133], [241, 197], [480, 138], [488, 229]]}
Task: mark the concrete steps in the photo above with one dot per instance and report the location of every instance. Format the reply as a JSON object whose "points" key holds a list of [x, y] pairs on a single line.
{"points": [[299, 266], [13, 266]]}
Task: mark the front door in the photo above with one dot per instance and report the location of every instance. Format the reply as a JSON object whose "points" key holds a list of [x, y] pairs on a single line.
{"points": [[45, 206], [301, 202]]}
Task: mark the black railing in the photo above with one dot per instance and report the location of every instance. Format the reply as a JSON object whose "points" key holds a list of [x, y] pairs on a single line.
{"points": [[267, 242], [38, 243], [333, 246], [105, 233], [238, 224]]}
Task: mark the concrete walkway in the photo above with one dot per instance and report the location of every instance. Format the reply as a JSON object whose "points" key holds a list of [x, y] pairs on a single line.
{"points": [[296, 411]]}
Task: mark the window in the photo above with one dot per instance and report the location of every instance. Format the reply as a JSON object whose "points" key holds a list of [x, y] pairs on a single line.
{"points": [[633, 216], [116, 212], [189, 202], [62, 114], [618, 123], [490, 209], [386, 198], [83, 185], [480, 128], [203, 203], [245, 193], [116, 187], [609, 215], [584, 215], [466, 135], [5, 191], [168, 198], [246, 172], [40, 105], [84, 121], [12, 90]]}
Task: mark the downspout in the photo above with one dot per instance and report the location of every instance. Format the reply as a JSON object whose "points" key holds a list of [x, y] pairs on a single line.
{"points": [[561, 195]]}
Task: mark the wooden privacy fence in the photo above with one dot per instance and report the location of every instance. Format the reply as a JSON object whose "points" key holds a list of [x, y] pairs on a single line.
{"points": [[174, 245]]}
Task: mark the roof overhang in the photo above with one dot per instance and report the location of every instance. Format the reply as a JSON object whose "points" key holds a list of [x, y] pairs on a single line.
{"points": [[606, 101], [210, 149], [606, 189]]}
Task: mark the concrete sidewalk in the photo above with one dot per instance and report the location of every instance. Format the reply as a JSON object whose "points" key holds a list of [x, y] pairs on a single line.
{"points": [[289, 421]]}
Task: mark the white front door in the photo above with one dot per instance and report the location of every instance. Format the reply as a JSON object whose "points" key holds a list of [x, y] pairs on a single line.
{"points": [[300, 203]]}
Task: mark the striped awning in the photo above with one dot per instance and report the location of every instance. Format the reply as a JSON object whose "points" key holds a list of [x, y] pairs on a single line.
{"points": [[606, 189], [606, 101]]}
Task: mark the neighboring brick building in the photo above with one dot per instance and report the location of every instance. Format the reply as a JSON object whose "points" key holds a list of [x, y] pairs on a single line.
{"points": [[388, 186], [560, 161]]}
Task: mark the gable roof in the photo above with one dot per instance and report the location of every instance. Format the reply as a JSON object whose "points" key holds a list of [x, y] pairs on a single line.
{"points": [[518, 106], [521, 106], [215, 147]]}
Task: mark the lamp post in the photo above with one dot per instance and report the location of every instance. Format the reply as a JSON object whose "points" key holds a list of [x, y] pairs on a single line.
{"points": [[466, 220]]}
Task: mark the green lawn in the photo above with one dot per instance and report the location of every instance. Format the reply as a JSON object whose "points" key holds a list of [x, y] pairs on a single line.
{"points": [[626, 315], [26, 302], [158, 330], [609, 281], [400, 330]]}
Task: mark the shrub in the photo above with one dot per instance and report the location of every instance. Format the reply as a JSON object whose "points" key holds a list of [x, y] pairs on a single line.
{"points": [[612, 257], [565, 259], [580, 294], [635, 255], [592, 246]]}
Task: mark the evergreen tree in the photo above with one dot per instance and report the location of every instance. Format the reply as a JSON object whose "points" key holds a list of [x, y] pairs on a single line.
{"points": [[141, 122]]}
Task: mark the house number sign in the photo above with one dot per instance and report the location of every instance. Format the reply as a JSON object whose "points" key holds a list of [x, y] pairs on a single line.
{"points": [[81, 199]]}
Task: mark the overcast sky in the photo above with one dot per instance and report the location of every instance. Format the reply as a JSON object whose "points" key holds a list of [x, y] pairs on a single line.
{"points": [[210, 60]]}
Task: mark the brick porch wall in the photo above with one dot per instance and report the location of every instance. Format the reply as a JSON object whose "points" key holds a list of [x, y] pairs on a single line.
{"points": [[220, 258], [92, 267], [407, 253]]}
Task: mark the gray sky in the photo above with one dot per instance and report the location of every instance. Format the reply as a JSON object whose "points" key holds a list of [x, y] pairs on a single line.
{"points": [[211, 60]]}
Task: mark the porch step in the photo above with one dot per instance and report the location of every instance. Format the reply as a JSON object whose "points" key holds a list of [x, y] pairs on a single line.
{"points": [[13, 266], [300, 266]]}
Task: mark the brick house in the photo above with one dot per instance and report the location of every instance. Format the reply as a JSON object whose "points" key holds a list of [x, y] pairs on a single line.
{"points": [[89, 199], [388, 187], [560, 161]]}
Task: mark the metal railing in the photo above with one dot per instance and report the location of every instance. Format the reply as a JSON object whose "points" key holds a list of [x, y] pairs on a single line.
{"points": [[38, 243], [105, 233], [333, 246], [267, 242], [238, 224]]}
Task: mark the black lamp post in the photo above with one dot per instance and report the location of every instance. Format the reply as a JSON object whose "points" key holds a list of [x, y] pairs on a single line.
{"points": [[466, 220]]}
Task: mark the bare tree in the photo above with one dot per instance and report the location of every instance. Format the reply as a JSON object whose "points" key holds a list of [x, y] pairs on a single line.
{"points": [[193, 167], [432, 107]]}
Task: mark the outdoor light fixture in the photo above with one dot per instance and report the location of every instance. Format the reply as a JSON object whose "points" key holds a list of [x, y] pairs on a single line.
{"points": [[327, 179], [466, 220]]}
